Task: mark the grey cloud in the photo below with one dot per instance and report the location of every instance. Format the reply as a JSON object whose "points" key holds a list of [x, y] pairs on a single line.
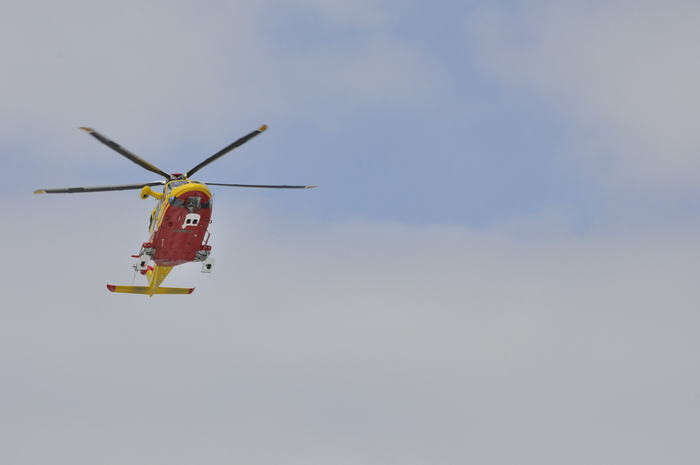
{"points": [[354, 343]]}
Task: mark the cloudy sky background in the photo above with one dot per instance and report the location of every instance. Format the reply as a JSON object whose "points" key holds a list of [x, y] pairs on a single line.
{"points": [[499, 265]]}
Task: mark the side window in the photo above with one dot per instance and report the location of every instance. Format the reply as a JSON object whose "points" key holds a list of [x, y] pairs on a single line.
{"points": [[192, 219]]}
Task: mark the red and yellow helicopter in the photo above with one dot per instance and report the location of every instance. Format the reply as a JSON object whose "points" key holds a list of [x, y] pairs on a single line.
{"points": [[178, 224]]}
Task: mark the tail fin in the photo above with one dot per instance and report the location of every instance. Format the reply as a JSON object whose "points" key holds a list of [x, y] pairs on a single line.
{"points": [[149, 291]]}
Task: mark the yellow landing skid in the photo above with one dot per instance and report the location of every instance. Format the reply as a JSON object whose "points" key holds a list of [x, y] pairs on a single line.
{"points": [[149, 291]]}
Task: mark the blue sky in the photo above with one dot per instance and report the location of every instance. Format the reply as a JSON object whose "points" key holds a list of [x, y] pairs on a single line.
{"points": [[394, 110], [499, 265], [469, 114]]}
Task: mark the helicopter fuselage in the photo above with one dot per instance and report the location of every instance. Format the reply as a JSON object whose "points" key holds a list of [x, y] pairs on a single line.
{"points": [[178, 224]]}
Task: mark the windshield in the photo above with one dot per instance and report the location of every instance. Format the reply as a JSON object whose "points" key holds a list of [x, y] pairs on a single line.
{"points": [[172, 185]]}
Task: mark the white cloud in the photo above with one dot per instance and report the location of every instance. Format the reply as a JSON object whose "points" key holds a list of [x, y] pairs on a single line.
{"points": [[180, 71], [627, 70]]}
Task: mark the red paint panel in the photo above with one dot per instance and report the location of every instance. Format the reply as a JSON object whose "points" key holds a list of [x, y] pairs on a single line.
{"points": [[176, 244]]}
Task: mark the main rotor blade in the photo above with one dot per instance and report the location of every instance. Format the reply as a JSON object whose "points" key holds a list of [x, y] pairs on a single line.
{"points": [[118, 148], [227, 149], [74, 190], [260, 186]]}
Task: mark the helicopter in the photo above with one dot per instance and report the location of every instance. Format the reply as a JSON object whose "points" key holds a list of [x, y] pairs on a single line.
{"points": [[178, 224]]}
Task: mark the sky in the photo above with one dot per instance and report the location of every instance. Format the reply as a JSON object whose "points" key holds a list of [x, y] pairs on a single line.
{"points": [[498, 266]]}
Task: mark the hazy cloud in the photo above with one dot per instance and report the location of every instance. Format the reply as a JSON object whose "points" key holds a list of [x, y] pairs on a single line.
{"points": [[356, 343], [626, 70]]}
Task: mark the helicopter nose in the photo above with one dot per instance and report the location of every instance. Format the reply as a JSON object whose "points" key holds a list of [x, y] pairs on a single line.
{"points": [[194, 188]]}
